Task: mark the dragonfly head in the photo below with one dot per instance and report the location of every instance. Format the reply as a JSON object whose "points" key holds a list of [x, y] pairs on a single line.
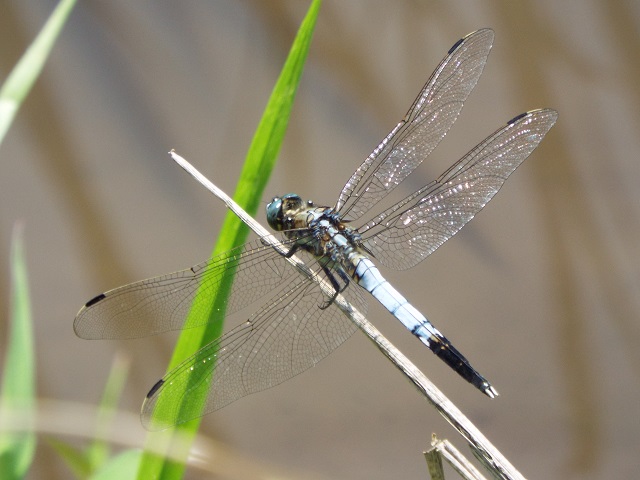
{"points": [[281, 210]]}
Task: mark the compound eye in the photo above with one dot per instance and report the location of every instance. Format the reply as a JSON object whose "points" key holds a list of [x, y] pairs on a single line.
{"points": [[274, 214]]}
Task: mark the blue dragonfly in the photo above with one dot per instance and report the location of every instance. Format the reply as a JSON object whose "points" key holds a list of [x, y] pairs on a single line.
{"points": [[288, 322]]}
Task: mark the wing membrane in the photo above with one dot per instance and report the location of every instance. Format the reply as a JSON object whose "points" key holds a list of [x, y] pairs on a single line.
{"points": [[425, 124], [162, 303], [408, 232], [283, 339]]}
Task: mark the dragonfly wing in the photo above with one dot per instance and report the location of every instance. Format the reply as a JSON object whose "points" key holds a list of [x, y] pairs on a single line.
{"points": [[432, 114], [287, 336], [408, 232], [164, 303]]}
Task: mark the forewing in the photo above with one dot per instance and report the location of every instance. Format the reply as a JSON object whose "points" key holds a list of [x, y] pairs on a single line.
{"points": [[162, 303], [413, 229], [284, 338], [425, 124]]}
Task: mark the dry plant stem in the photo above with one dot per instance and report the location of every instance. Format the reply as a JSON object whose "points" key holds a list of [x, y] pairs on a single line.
{"points": [[446, 408], [445, 449]]}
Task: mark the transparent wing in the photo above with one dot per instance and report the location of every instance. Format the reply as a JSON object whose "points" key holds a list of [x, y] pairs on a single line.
{"points": [[162, 303], [425, 124], [284, 338], [413, 229]]}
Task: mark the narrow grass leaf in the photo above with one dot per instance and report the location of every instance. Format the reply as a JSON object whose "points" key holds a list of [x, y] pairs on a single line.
{"points": [[123, 466], [17, 396], [25, 73], [84, 462], [98, 451], [254, 176], [76, 459]]}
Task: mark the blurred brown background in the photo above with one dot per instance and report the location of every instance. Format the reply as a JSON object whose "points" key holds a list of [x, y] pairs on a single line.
{"points": [[540, 291]]}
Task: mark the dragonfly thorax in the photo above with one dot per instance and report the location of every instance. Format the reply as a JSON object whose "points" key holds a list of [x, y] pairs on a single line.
{"points": [[317, 229]]}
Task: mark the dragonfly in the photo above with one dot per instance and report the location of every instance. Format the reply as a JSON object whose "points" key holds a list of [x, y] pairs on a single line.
{"points": [[288, 323]]}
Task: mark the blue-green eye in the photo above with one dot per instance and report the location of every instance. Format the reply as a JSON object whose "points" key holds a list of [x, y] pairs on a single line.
{"points": [[274, 213]]}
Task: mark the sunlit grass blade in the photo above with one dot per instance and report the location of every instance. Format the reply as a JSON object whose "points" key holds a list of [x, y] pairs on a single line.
{"points": [[19, 82], [257, 167], [123, 466], [75, 458], [17, 396], [98, 451], [84, 462]]}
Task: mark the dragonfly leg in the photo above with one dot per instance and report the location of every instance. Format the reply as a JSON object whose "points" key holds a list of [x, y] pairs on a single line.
{"points": [[336, 285], [294, 248]]}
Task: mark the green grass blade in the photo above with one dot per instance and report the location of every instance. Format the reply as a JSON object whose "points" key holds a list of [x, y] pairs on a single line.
{"points": [[123, 466], [84, 463], [76, 459], [17, 396], [24, 74], [98, 451], [257, 168]]}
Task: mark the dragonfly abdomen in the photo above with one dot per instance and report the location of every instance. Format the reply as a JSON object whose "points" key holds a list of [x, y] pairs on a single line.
{"points": [[369, 277]]}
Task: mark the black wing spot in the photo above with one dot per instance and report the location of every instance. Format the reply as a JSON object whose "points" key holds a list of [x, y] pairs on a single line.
{"points": [[455, 45], [95, 300], [517, 117], [155, 388]]}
